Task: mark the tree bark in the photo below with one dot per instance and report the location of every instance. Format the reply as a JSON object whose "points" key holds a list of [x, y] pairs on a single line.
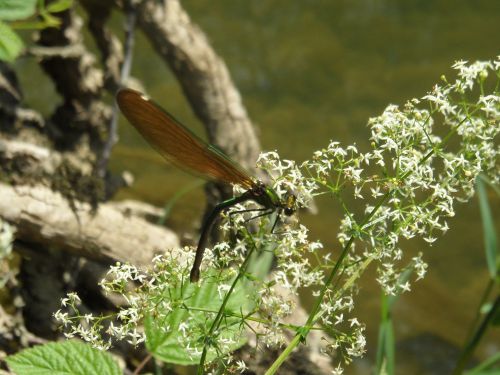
{"points": [[45, 217], [49, 209], [203, 76]]}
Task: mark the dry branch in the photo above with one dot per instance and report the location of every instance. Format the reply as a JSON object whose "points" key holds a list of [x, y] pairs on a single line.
{"points": [[45, 217], [204, 77]]}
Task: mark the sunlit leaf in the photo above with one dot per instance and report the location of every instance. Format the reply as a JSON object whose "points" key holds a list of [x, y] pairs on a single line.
{"points": [[59, 6], [200, 303], [11, 44], [70, 357], [50, 20], [12, 10]]}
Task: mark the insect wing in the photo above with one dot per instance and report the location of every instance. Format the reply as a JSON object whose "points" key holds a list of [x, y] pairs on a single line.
{"points": [[177, 144]]}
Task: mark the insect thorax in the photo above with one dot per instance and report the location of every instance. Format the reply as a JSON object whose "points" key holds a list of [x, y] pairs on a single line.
{"points": [[267, 197]]}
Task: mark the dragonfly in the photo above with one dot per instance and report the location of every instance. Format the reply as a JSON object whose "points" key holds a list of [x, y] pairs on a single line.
{"points": [[185, 150]]}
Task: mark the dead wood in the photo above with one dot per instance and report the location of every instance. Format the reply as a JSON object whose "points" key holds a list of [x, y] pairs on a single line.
{"points": [[203, 76], [47, 217], [44, 217]]}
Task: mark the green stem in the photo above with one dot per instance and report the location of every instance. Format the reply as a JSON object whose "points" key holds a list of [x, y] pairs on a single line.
{"points": [[284, 355], [249, 317], [178, 195], [315, 314], [472, 344], [218, 318], [484, 298]]}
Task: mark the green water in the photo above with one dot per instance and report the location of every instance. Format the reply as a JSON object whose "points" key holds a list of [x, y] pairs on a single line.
{"points": [[311, 71]]}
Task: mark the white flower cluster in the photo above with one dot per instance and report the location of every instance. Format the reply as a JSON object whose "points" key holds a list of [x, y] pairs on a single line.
{"points": [[287, 178], [424, 157], [87, 327], [159, 296]]}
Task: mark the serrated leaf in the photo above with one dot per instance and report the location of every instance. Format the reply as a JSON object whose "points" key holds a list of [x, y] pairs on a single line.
{"points": [[13, 10], [164, 337], [70, 357], [10, 43], [59, 6]]}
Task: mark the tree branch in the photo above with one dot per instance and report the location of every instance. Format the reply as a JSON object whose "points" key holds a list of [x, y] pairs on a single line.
{"points": [[45, 217], [203, 76]]}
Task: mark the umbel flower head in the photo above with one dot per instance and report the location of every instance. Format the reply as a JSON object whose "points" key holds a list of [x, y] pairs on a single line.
{"points": [[425, 156]]}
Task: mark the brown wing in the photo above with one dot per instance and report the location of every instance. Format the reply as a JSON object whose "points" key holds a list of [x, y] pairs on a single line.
{"points": [[177, 144]]}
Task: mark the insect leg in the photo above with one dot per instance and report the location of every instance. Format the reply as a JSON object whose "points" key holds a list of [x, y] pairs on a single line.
{"points": [[275, 222], [205, 230]]}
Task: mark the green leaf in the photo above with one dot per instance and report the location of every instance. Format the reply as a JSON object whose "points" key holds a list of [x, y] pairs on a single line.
{"points": [[49, 19], [489, 366], [385, 357], [10, 43], [59, 6], [29, 25], [260, 264], [489, 233], [13, 10], [70, 357], [198, 306], [389, 347], [178, 195]]}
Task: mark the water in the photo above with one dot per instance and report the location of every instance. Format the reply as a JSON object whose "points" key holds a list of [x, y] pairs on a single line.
{"points": [[310, 71]]}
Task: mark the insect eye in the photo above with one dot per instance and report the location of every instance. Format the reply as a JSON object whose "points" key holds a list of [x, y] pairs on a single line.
{"points": [[289, 211]]}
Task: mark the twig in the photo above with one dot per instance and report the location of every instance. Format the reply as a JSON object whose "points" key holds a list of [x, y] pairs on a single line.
{"points": [[124, 74], [142, 364]]}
